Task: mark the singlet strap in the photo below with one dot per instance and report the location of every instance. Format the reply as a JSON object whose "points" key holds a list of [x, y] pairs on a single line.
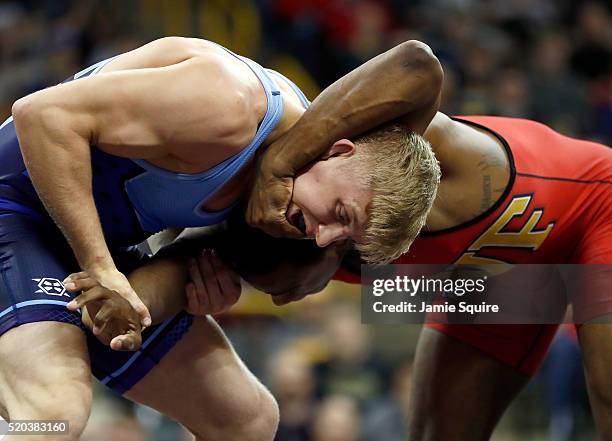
{"points": [[214, 178], [305, 101]]}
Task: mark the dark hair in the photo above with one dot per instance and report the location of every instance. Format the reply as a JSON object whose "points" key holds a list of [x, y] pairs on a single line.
{"points": [[249, 251]]}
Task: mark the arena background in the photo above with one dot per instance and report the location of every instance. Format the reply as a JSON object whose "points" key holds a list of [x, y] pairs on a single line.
{"points": [[335, 379]]}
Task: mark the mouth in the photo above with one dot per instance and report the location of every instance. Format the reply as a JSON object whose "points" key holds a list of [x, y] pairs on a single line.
{"points": [[296, 218]]}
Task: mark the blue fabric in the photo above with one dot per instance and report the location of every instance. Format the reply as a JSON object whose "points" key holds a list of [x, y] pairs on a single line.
{"points": [[34, 259], [134, 197], [109, 173], [155, 193], [120, 371], [118, 218], [305, 101]]}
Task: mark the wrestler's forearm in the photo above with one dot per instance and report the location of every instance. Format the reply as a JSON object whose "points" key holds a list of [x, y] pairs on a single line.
{"points": [[58, 161], [402, 82], [160, 285]]}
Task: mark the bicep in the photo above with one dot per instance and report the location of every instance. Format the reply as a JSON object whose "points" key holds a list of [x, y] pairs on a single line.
{"points": [[139, 112]]}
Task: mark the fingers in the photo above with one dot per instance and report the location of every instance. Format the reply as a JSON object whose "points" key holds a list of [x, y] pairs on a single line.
{"points": [[117, 325], [214, 287], [93, 294], [79, 275], [210, 283], [79, 281], [145, 316], [110, 308], [140, 308], [102, 317], [193, 302], [130, 341], [83, 284], [228, 281], [267, 206], [115, 283], [200, 297]]}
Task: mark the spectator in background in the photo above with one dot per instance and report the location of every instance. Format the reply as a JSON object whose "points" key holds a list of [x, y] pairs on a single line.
{"points": [[564, 49], [292, 383], [557, 95], [337, 419], [478, 71], [511, 94], [351, 368], [385, 418], [592, 56]]}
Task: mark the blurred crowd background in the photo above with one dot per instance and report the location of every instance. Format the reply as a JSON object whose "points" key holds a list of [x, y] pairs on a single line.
{"points": [[335, 379], [544, 59]]}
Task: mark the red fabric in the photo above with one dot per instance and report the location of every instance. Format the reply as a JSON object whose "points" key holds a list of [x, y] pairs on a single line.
{"points": [[564, 187]]}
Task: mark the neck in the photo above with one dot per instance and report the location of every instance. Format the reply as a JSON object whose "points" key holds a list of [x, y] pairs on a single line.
{"points": [[291, 114]]}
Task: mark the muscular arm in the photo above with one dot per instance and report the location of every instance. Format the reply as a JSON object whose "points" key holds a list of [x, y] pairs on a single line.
{"points": [[160, 285], [287, 269], [149, 113], [132, 113], [403, 83]]}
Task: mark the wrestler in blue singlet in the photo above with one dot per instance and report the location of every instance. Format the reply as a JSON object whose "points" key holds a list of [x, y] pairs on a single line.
{"points": [[135, 199]]}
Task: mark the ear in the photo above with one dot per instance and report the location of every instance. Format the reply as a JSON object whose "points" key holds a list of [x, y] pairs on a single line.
{"points": [[343, 147]]}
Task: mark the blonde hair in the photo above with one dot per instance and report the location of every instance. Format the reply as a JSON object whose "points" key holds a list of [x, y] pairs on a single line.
{"points": [[403, 175]]}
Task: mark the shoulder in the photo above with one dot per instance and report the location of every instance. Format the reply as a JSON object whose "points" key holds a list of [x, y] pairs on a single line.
{"points": [[223, 97], [219, 99], [441, 129], [239, 99], [186, 46]]}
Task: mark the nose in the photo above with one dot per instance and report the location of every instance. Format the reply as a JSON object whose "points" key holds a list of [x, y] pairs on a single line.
{"points": [[327, 234]]}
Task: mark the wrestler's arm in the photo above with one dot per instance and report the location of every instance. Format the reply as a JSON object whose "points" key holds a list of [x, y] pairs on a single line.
{"points": [[404, 82], [191, 276], [160, 284], [132, 113]]}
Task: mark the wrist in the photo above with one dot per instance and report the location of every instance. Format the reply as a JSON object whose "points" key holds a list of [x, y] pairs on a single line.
{"points": [[304, 143], [277, 164], [98, 264]]}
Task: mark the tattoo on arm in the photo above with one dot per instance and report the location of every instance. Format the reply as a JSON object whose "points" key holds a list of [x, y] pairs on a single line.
{"points": [[490, 160]]}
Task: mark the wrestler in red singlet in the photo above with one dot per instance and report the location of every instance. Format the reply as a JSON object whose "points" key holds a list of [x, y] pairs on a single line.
{"points": [[556, 208]]}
